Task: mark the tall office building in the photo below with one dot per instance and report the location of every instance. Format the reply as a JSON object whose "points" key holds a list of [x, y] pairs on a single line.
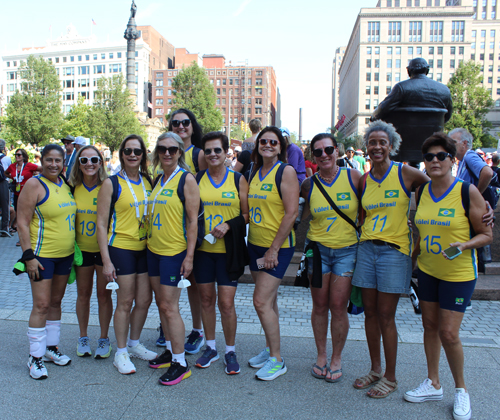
{"points": [[337, 61], [385, 38]]}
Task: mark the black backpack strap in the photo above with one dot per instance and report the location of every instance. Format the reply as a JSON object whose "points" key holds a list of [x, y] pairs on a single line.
{"points": [[199, 175], [114, 196], [466, 197], [419, 192], [157, 179], [196, 154], [180, 187], [349, 163], [237, 177], [279, 176]]}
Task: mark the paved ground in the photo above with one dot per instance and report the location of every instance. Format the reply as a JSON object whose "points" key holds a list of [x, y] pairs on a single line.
{"points": [[89, 388]]}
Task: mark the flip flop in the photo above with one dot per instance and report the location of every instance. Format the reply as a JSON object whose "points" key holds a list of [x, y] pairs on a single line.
{"points": [[384, 386], [313, 373], [333, 372]]}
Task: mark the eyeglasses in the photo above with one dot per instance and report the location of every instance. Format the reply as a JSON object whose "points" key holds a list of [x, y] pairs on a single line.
{"points": [[172, 150], [319, 152], [273, 143], [185, 123], [128, 152], [94, 160], [19, 154], [216, 150], [429, 157]]}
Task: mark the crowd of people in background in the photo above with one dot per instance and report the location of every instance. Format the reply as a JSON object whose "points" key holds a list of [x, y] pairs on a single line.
{"points": [[178, 216]]}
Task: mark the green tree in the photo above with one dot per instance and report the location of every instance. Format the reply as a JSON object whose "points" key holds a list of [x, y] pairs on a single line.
{"points": [[112, 116], [77, 120], [34, 112], [238, 134], [471, 102], [193, 91]]}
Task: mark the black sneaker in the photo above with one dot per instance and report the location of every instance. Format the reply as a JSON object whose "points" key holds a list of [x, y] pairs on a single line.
{"points": [[162, 361], [175, 374]]}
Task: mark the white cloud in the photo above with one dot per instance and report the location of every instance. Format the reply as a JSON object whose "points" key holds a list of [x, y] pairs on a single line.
{"points": [[149, 11], [244, 4]]}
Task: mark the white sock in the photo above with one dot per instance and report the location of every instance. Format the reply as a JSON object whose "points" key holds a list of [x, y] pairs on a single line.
{"points": [[169, 345], [211, 344], [230, 348], [132, 343], [197, 330], [38, 341], [119, 350], [53, 329], [179, 358]]}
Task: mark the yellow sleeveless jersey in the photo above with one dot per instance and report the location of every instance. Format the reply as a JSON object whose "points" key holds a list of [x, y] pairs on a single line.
{"points": [[442, 221], [86, 217], [387, 206], [125, 230], [266, 210], [326, 226], [221, 203], [188, 156], [167, 230], [52, 227]]}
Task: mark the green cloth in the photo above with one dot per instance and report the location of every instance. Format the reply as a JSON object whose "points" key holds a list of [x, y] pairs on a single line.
{"points": [[77, 260], [362, 163], [356, 297]]}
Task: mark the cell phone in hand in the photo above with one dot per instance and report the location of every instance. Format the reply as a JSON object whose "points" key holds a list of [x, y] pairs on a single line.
{"points": [[452, 252], [260, 263]]}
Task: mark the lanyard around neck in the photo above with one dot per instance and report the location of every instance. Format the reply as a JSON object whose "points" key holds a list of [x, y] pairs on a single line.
{"points": [[18, 175], [162, 187], [136, 202]]}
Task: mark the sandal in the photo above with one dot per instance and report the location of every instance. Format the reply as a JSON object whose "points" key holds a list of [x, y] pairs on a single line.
{"points": [[333, 372], [313, 373], [368, 380], [385, 387]]}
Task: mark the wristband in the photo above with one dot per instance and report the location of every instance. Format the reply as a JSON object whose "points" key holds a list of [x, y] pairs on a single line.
{"points": [[28, 255]]}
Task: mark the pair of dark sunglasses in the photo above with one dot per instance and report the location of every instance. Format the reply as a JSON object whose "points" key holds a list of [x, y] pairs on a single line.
{"points": [[172, 150], [19, 154], [128, 151], [429, 157], [216, 150], [319, 152], [273, 143], [94, 159], [185, 123]]}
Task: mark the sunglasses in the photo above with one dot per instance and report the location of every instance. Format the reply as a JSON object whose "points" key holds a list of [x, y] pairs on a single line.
{"points": [[429, 157], [172, 150], [94, 159], [19, 154], [319, 152], [216, 150], [273, 143], [185, 123], [128, 151]]}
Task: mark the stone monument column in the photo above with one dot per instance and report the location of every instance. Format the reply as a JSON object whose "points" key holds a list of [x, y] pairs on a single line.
{"points": [[131, 34]]}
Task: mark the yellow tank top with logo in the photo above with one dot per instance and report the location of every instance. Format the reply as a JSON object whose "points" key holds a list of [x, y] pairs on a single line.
{"points": [[441, 221], [387, 206], [167, 229], [86, 217], [52, 227], [126, 231], [326, 226], [266, 210], [221, 203], [188, 157]]}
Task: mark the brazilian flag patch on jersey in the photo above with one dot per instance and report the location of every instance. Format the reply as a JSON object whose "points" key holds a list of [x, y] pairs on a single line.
{"points": [[391, 194], [343, 196], [167, 193], [71, 195], [266, 187], [446, 212], [228, 194], [94, 202]]}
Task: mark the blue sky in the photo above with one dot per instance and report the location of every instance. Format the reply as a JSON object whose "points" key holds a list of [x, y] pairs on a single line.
{"points": [[297, 38]]}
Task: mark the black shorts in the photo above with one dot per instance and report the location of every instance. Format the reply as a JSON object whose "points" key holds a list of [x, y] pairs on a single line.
{"points": [[127, 261], [91, 258]]}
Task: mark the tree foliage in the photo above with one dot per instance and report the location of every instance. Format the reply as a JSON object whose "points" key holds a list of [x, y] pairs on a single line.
{"points": [[238, 133], [193, 91], [34, 112], [471, 102], [112, 116], [77, 120]]}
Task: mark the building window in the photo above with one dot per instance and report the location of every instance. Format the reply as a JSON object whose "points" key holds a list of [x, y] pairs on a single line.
{"points": [[398, 50], [491, 56], [377, 50], [388, 90], [460, 50], [100, 69], [367, 120], [483, 15], [440, 50], [389, 63], [368, 63], [103, 56], [452, 64], [389, 77], [398, 64], [368, 50], [410, 50], [95, 56], [375, 103], [68, 83], [431, 64], [490, 67], [377, 63], [415, 32], [492, 45], [118, 55], [398, 77], [497, 102], [481, 46], [440, 64], [367, 90], [375, 90], [68, 71], [419, 50], [169, 92], [367, 104], [115, 68], [84, 70], [473, 45], [493, 14], [439, 77], [159, 101], [159, 92], [373, 31], [436, 32], [389, 50], [79, 58], [159, 83], [159, 75], [457, 31], [452, 50], [490, 79], [394, 32], [483, 33], [110, 56], [431, 50], [72, 58], [83, 83], [376, 77]]}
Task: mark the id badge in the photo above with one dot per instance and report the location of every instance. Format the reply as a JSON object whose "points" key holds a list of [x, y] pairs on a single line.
{"points": [[143, 231], [18, 187]]}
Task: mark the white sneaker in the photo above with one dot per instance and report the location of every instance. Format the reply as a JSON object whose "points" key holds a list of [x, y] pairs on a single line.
{"points": [[461, 408], [424, 392], [52, 354], [141, 352], [37, 368], [123, 364]]}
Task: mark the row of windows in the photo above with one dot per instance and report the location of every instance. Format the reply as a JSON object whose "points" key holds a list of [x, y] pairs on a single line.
{"points": [[417, 50], [415, 31], [483, 15], [483, 33], [98, 69], [258, 91], [482, 45], [418, 3], [72, 58], [493, 3]]}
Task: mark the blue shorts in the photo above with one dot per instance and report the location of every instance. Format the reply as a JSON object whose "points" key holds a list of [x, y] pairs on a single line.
{"points": [[127, 261], [209, 266], [451, 295], [91, 258], [340, 261], [383, 268], [284, 257], [168, 268], [60, 266]]}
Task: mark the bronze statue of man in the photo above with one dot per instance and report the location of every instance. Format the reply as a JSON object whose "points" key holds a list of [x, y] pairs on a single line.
{"points": [[418, 91], [133, 9]]}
